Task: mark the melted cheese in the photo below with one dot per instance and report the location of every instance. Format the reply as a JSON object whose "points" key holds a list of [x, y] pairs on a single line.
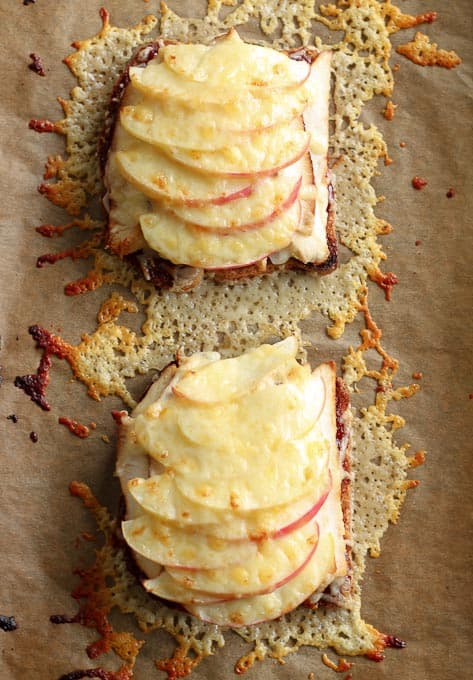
{"points": [[247, 113], [169, 545], [247, 611], [234, 498], [270, 197], [184, 243], [165, 81], [158, 176], [152, 123], [276, 561], [158, 495]]}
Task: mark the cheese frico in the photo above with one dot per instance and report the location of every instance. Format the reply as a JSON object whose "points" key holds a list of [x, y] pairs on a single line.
{"points": [[233, 484], [218, 158]]}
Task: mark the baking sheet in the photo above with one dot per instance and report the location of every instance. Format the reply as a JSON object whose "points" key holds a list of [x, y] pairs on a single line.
{"points": [[419, 589]]}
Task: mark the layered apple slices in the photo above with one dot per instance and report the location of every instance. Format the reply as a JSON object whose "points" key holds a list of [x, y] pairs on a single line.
{"points": [[235, 484], [217, 161]]}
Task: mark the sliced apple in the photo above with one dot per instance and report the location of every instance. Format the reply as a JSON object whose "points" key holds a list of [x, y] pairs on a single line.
{"points": [[159, 495], [270, 197], [182, 243], [231, 60], [236, 549], [266, 483], [227, 437], [148, 120], [264, 418], [159, 80], [164, 586], [276, 562], [172, 546], [242, 113], [318, 571], [263, 153], [235, 110], [157, 176], [228, 379]]}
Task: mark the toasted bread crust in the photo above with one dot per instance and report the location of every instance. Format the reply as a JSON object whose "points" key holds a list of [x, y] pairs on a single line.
{"points": [[167, 275]]}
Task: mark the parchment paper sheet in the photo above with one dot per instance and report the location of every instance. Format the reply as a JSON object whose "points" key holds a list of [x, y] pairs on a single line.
{"points": [[420, 588]]}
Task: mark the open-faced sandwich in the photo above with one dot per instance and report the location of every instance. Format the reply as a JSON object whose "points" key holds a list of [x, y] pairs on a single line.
{"points": [[235, 474], [215, 160]]}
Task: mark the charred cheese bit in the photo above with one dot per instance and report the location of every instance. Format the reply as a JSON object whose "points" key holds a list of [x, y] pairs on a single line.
{"points": [[227, 176], [232, 478], [250, 160]]}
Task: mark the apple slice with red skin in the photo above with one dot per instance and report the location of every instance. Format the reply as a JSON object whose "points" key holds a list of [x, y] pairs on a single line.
{"points": [[303, 519], [191, 550], [250, 492], [230, 60], [232, 378], [296, 402], [172, 546], [232, 217], [182, 436], [276, 562], [146, 120], [263, 153], [166, 502], [165, 587], [157, 80], [234, 526], [315, 575], [159, 177], [161, 81], [245, 112]]}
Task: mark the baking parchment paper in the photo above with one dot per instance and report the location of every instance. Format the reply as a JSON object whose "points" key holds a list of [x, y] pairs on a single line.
{"points": [[420, 587]]}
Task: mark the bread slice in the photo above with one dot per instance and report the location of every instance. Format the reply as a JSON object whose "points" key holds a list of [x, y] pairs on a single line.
{"points": [[239, 535], [174, 210]]}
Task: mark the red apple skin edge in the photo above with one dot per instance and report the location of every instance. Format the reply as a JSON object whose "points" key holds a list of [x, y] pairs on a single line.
{"points": [[244, 264], [220, 200], [250, 226], [332, 569], [298, 523], [283, 531]]}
